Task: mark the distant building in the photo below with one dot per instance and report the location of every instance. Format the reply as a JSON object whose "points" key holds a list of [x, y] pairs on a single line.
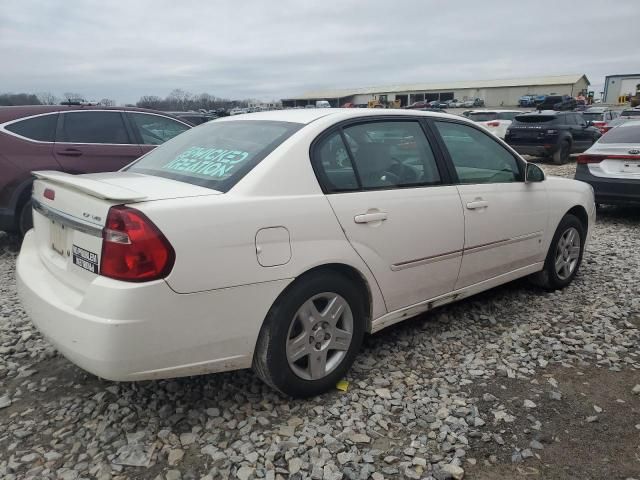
{"points": [[616, 86], [505, 92]]}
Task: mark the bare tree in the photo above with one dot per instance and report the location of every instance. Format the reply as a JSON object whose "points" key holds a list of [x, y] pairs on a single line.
{"points": [[107, 102], [47, 98], [73, 96]]}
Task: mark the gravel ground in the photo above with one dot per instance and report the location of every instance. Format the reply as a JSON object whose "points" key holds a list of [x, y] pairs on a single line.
{"points": [[512, 383]]}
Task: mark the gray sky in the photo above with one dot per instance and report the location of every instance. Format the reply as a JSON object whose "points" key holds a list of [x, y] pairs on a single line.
{"points": [[274, 49]]}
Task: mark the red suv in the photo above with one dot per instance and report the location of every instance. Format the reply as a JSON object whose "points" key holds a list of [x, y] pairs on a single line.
{"points": [[73, 139]]}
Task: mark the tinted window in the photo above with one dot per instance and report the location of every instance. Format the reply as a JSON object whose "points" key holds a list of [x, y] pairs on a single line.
{"points": [[94, 127], [507, 115], [42, 128], [593, 117], [476, 156], [216, 154], [579, 119], [483, 116], [392, 154], [535, 118], [334, 166], [567, 119], [155, 129], [624, 134]]}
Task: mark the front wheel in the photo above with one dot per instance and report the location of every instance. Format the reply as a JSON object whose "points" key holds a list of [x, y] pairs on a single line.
{"points": [[564, 256], [25, 219], [311, 335]]}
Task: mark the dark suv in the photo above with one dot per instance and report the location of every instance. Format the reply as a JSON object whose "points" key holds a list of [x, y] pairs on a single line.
{"points": [[558, 102], [73, 139], [552, 134]]}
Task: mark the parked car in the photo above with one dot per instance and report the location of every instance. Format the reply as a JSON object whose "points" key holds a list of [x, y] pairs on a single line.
{"points": [[539, 99], [612, 166], [75, 139], [416, 105], [496, 121], [438, 104], [195, 118], [527, 101], [276, 240], [474, 102], [557, 102], [600, 117], [551, 134]]}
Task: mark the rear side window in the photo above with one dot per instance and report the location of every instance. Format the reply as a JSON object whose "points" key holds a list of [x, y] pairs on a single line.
{"points": [[476, 157], [334, 165], [535, 118], [42, 128], [217, 154], [156, 129], [94, 127], [624, 134]]}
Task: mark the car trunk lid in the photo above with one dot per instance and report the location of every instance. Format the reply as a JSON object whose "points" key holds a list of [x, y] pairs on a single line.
{"points": [[70, 213]]}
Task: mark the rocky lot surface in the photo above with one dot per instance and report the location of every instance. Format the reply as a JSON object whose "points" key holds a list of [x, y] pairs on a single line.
{"points": [[512, 383]]}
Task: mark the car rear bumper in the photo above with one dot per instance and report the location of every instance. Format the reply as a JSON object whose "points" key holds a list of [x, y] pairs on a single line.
{"points": [[535, 150], [613, 191], [126, 331]]}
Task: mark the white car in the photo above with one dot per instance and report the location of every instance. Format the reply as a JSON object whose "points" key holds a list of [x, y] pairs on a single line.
{"points": [[276, 240], [496, 121], [612, 165]]}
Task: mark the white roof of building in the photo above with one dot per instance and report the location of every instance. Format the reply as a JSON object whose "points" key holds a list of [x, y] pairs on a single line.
{"points": [[422, 87]]}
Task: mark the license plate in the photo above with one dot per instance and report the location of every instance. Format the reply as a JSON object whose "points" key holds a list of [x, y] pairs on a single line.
{"points": [[58, 238]]}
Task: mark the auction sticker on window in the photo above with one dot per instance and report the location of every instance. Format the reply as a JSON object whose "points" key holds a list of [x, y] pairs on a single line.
{"points": [[85, 259]]}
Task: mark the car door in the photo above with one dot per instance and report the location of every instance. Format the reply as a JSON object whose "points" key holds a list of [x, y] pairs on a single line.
{"points": [[94, 141], [505, 218], [394, 202], [583, 132], [152, 129]]}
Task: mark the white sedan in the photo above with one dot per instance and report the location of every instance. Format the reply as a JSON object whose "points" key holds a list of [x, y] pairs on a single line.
{"points": [[496, 121], [276, 240]]}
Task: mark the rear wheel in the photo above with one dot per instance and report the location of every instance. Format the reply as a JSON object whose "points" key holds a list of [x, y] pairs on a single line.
{"points": [[564, 256], [311, 335], [562, 155], [25, 218]]}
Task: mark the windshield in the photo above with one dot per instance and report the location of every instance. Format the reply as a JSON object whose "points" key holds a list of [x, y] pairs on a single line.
{"points": [[593, 117], [217, 154], [483, 116], [626, 134]]}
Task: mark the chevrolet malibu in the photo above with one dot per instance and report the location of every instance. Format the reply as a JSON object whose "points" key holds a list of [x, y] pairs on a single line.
{"points": [[277, 240]]}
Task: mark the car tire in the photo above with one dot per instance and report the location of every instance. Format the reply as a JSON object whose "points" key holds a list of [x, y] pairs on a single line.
{"points": [[561, 156], [25, 218], [563, 259], [289, 356]]}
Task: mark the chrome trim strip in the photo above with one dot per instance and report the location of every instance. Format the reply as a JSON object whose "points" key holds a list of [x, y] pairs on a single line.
{"points": [[426, 260], [65, 219], [457, 253]]}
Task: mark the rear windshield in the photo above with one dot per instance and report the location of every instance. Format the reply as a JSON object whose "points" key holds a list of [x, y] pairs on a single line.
{"points": [[552, 99], [593, 117], [483, 116], [625, 134], [216, 154], [535, 118], [630, 113]]}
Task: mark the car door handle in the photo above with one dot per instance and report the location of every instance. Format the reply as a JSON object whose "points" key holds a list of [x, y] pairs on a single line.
{"points": [[477, 204], [70, 152], [370, 217]]}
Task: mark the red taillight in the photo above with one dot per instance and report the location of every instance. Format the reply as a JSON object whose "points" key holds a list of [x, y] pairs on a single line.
{"points": [[493, 124], [49, 194], [604, 128], [133, 249], [588, 158]]}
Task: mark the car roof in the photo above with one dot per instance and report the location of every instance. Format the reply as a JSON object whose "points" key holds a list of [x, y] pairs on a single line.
{"points": [[596, 110], [490, 110], [544, 112], [306, 116], [15, 112]]}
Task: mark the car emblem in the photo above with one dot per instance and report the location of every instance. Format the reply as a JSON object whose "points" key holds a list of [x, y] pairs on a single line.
{"points": [[634, 151]]}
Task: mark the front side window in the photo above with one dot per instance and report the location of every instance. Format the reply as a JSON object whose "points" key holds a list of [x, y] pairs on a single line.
{"points": [[41, 128], [217, 154], [156, 129], [94, 127], [476, 156]]}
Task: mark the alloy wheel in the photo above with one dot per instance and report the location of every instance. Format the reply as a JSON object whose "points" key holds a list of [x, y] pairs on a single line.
{"points": [[567, 253]]}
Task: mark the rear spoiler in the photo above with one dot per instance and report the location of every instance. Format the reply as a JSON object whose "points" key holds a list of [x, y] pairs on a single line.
{"points": [[95, 188]]}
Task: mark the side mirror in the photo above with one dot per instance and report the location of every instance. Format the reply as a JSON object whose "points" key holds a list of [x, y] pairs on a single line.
{"points": [[533, 173]]}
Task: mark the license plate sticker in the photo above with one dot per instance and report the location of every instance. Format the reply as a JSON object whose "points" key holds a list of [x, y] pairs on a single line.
{"points": [[85, 259], [58, 238]]}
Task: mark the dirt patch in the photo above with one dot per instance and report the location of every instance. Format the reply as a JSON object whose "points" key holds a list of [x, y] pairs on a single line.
{"points": [[575, 444]]}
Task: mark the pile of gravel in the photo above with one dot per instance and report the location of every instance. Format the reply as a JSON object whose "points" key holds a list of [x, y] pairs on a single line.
{"points": [[409, 411]]}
